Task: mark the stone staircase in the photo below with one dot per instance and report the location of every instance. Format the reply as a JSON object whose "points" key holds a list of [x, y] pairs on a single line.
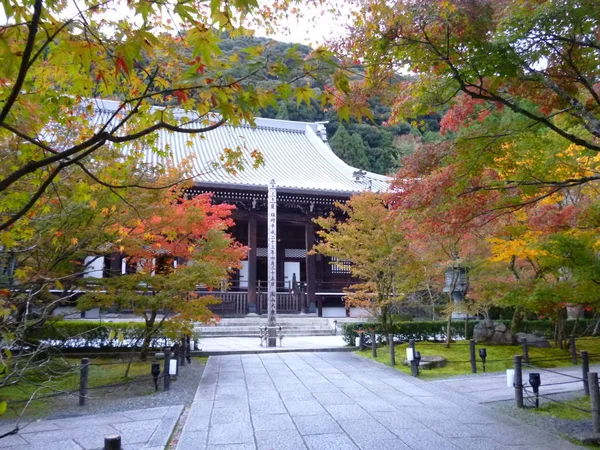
{"points": [[249, 327]]}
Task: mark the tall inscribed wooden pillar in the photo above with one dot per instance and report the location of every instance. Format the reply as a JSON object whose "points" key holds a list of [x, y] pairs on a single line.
{"points": [[252, 298], [310, 267]]}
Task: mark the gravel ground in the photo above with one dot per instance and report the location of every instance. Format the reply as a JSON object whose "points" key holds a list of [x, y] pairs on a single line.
{"points": [[133, 396], [571, 429]]}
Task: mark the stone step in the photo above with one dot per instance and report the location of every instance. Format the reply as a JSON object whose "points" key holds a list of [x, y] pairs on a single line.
{"points": [[249, 333], [263, 322], [284, 327]]}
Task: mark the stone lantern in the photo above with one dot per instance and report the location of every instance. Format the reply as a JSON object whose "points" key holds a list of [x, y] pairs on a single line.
{"points": [[457, 282]]}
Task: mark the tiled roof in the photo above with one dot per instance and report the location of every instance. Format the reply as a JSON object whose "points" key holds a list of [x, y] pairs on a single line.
{"points": [[295, 156]]}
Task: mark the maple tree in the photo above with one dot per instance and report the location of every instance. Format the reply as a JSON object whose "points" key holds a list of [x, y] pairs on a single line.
{"points": [[371, 238], [191, 231], [508, 67], [145, 226], [60, 62], [515, 181]]}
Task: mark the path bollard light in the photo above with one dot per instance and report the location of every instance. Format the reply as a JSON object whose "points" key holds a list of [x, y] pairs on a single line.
{"points": [[112, 442], [417, 362], [535, 381], [155, 374], [483, 356]]}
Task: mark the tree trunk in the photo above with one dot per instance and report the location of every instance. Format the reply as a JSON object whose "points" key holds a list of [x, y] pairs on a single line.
{"points": [[560, 336], [516, 325], [449, 330], [385, 319], [596, 327], [148, 331]]}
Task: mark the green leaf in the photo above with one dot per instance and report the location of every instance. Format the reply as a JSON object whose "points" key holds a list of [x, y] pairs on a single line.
{"points": [[3, 406], [304, 94]]}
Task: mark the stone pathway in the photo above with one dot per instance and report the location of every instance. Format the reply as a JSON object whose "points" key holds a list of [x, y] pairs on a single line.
{"points": [[484, 388], [252, 344], [148, 429], [338, 401]]}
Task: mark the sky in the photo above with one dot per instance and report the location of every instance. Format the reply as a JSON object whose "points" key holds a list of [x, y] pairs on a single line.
{"points": [[313, 29]]}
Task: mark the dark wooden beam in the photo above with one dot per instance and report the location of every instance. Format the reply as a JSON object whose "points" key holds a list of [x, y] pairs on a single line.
{"points": [[252, 244], [310, 269]]}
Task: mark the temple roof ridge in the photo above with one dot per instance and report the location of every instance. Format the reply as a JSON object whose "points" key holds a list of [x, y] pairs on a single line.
{"points": [[295, 154]]}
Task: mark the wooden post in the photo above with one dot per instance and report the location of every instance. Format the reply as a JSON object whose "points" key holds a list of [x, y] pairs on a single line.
{"points": [[585, 369], [373, 344], [83, 380], [473, 357], [252, 244], [525, 351], [183, 349], [392, 349], [518, 381], [311, 272], [361, 341], [112, 442], [595, 401], [573, 349], [166, 375], [414, 370]]}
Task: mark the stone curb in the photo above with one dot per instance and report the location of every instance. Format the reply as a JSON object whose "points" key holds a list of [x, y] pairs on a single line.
{"points": [[269, 350]]}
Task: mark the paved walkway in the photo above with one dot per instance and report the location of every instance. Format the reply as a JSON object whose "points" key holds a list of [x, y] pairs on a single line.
{"points": [[484, 388], [252, 344], [338, 401], [148, 429]]}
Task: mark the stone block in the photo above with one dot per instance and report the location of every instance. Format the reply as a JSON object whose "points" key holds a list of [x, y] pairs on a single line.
{"points": [[193, 440], [280, 440], [338, 441], [304, 408], [495, 333], [533, 340], [231, 433], [272, 422], [321, 424]]}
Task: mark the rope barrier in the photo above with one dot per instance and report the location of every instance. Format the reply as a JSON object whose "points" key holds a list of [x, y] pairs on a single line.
{"points": [[553, 371], [75, 392], [562, 382]]}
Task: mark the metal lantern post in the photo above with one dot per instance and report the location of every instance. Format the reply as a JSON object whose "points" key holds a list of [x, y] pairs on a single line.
{"points": [[272, 265]]}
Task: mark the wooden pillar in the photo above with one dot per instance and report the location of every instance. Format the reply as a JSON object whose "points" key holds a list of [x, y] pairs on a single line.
{"points": [[252, 243], [114, 268], [310, 269]]}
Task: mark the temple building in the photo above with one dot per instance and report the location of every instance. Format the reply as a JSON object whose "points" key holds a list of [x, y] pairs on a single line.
{"points": [[310, 179]]}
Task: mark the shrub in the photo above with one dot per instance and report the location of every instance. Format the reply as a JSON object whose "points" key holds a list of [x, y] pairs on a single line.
{"points": [[81, 334], [435, 330]]}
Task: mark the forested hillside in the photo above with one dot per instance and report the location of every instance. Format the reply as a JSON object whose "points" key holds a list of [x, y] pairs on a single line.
{"points": [[369, 145]]}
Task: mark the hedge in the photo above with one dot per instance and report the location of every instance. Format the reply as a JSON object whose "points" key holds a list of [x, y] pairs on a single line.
{"points": [[85, 334], [435, 330]]}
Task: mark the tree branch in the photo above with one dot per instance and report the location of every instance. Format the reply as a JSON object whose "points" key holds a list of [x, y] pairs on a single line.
{"points": [[33, 29]]}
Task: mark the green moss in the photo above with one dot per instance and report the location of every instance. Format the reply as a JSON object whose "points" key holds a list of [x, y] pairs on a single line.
{"points": [[62, 375], [499, 357], [567, 410]]}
